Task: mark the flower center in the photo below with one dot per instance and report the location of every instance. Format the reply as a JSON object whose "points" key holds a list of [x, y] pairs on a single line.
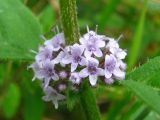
{"points": [[91, 48], [110, 66], [92, 69], [50, 72], [77, 59]]}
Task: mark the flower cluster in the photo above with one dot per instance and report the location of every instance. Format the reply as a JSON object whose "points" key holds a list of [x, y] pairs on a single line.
{"points": [[95, 56]]}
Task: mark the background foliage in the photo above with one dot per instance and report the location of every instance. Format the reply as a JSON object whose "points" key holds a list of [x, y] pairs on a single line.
{"points": [[22, 22]]}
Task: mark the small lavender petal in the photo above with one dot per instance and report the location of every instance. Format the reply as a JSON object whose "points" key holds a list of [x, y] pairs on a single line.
{"points": [[63, 74], [92, 42], [56, 42], [73, 66], [121, 54], [93, 79], [82, 41], [62, 87], [87, 53], [83, 61], [52, 95], [45, 53], [109, 65], [100, 71], [83, 73], [119, 74], [108, 74], [109, 81], [75, 78], [46, 82], [101, 43], [98, 53], [67, 59]]}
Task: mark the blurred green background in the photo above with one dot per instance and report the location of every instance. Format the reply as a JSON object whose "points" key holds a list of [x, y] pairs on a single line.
{"points": [[137, 20]]}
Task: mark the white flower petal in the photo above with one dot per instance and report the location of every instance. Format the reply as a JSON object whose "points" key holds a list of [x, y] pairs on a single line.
{"points": [[55, 102], [100, 43], [109, 81], [46, 82], [93, 60], [108, 74], [100, 71], [119, 74], [83, 61], [82, 41], [66, 59], [87, 53], [73, 66], [121, 54], [93, 79], [98, 53], [83, 73]]}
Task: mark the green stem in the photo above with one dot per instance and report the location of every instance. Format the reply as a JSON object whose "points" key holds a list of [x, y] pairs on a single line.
{"points": [[71, 31], [88, 102], [69, 20]]}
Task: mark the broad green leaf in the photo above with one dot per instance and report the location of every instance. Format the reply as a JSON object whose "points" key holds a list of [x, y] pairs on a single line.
{"points": [[152, 116], [11, 101], [19, 30], [148, 73], [134, 51], [144, 92]]}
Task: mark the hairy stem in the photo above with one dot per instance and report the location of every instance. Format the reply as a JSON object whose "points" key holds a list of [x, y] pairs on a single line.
{"points": [[88, 102], [71, 31], [69, 20]]}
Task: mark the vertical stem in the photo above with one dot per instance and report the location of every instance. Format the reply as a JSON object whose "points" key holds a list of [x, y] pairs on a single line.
{"points": [[71, 31], [88, 102], [69, 20]]}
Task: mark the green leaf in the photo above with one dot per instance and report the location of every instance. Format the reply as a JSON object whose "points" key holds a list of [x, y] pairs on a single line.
{"points": [[19, 30], [11, 101], [148, 73], [134, 51], [152, 116], [144, 92]]}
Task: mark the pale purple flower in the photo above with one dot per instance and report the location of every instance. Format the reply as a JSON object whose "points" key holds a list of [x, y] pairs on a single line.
{"points": [[92, 71], [113, 47], [37, 72], [56, 42], [75, 58], [45, 72], [92, 43], [45, 53], [63, 74], [62, 57], [62, 87], [109, 81], [75, 78], [109, 65], [52, 95], [112, 68]]}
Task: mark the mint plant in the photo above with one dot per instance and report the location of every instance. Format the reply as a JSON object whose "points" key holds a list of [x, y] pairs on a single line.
{"points": [[85, 76]]}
